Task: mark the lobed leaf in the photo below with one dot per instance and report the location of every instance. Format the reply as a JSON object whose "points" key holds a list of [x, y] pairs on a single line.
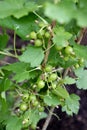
{"points": [[82, 78], [22, 26], [18, 8], [32, 55], [71, 104], [66, 10]]}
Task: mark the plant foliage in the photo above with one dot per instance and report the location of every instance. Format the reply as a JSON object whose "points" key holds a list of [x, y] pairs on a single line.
{"points": [[43, 66]]}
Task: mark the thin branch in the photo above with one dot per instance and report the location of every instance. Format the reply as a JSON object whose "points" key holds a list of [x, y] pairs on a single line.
{"points": [[47, 53], [43, 65], [49, 44], [48, 119], [65, 72], [50, 47], [4, 62], [15, 43], [7, 54], [81, 35], [40, 17]]}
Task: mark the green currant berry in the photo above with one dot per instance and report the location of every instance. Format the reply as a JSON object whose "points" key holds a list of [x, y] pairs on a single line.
{"points": [[40, 84], [77, 66], [47, 34], [41, 24], [33, 35], [38, 42], [66, 58], [32, 98], [81, 61], [48, 68], [41, 109], [25, 96], [41, 34], [54, 85], [23, 106], [33, 126], [35, 103], [69, 50], [58, 48], [52, 77], [25, 121]]}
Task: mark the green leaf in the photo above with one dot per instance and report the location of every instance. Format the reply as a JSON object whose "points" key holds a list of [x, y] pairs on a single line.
{"points": [[4, 115], [3, 40], [14, 123], [56, 60], [82, 78], [21, 70], [24, 75], [67, 10], [80, 51], [3, 109], [5, 84], [61, 37], [51, 99], [54, 57], [71, 104], [22, 26], [62, 92], [17, 9], [63, 12], [17, 67], [34, 116], [3, 95], [86, 63], [32, 55], [69, 80], [81, 13]]}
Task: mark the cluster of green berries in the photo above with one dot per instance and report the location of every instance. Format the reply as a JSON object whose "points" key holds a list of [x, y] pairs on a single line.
{"points": [[68, 53], [30, 101], [48, 80], [33, 100], [38, 37]]}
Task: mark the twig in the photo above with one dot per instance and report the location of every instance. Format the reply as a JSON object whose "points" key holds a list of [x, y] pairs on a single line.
{"points": [[7, 54], [81, 35], [4, 62], [43, 65], [47, 53], [48, 119], [40, 17], [15, 43], [49, 44], [65, 72]]}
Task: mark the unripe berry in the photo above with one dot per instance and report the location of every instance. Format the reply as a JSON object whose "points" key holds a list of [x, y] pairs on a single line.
{"points": [[33, 35], [38, 43], [40, 84], [69, 50], [48, 68], [47, 34], [52, 77]]}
